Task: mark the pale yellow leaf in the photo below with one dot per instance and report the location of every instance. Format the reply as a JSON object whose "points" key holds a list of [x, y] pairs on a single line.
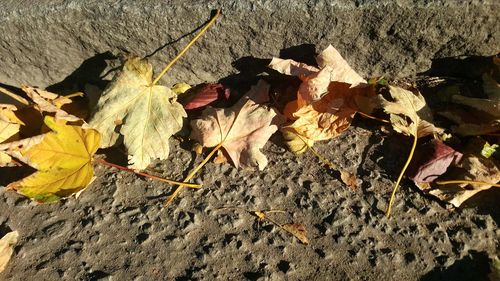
{"points": [[180, 88], [296, 143], [145, 115]]}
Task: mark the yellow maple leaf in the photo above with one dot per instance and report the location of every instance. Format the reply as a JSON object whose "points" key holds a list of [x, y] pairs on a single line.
{"points": [[63, 162], [145, 114]]}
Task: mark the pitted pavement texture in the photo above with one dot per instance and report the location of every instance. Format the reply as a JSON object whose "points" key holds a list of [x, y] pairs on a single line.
{"points": [[118, 229]]}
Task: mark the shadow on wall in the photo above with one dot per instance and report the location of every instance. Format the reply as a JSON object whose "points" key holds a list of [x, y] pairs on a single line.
{"points": [[474, 267]]}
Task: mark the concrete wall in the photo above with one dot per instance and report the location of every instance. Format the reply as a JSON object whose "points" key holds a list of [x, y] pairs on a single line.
{"points": [[45, 42]]}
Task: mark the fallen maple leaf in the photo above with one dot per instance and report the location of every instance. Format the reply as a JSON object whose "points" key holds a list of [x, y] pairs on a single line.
{"points": [[316, 81], [433, 159], [144, 113], [9, 123], [328, 117], [63, 161], [409, 113], [203, 95], [7, 244], [474, 174], [52, 103], [242, 129]]}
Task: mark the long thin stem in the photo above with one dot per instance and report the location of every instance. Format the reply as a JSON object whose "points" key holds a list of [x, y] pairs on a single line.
{"points": [[316, 153], [104, 162], [393, 196], [187, 47], [192, 173], [372, 117], [14, 96], [467, 182]]}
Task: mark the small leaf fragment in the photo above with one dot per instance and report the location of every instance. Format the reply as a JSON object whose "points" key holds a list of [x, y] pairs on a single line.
{"points": [[495, 269], [297, 230], [180, 88], [7, 244], [349, 179], [488, 150]]}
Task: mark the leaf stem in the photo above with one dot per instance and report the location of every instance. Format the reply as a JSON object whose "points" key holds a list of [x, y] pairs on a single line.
{"points": [[14, 96], [393, 195], [316, 153], [104, 162], [187, 47], [372, 117], [466, 181], [192, 173]]}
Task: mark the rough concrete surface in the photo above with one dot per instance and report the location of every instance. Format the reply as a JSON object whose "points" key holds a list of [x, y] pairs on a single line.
{"points": [[118, 230]]}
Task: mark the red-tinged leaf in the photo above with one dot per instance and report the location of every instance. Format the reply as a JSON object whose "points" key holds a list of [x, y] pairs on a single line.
{"points": [[432, 160], [204, 95]]}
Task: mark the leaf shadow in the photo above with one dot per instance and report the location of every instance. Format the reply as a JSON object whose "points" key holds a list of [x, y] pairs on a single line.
{"points": [[212, 14], [89, 72]]}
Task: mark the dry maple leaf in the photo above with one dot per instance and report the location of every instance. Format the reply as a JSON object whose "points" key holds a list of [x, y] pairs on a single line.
{"points": [[9, 123], [62, 158], [471, 168], [145, 114], [49, 102], [324, 119], [316, 81], [243, 129], [7, 244], [328, 117], [409, 113]]}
